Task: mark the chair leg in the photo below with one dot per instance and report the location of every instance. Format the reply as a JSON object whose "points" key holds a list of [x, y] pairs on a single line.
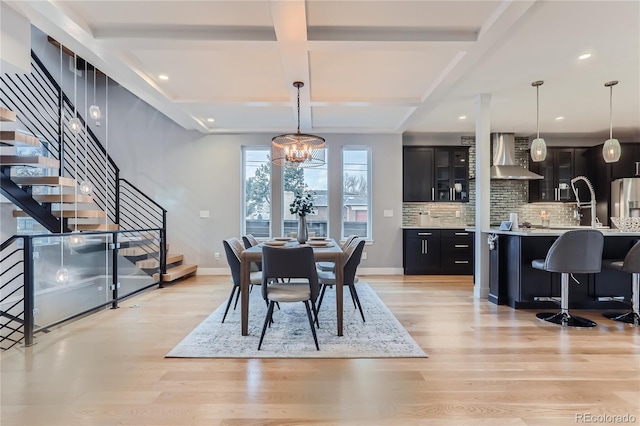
{"points": [[233, 290], [235, 305], [315, 313], [352, 290], [563, 317], [632, 317], [267, 319], [313, 329], [324, 287], [354, 294]]}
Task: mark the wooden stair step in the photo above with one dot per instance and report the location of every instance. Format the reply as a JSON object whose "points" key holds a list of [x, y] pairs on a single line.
{"points": [[67, 213], [13, 137], [29, 160], [98, 227], [176, 272], [140, 250], [154, 263], [66, 198], [44, 181], [6, 114]]}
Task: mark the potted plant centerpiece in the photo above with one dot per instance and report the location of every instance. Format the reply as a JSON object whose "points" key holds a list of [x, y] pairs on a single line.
{"points": [[301, 206]]}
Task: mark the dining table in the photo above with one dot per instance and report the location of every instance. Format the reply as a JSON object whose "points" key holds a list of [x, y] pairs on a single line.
{"points": [[332, 252]]}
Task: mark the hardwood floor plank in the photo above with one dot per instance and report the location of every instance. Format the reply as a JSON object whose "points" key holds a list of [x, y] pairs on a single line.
{"points": [[487, 365]]}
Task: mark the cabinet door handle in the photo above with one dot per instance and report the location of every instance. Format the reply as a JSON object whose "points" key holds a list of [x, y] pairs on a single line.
{"points": [[461, 233], [433, 194], [461, 261], [424, 233], [426, 246], [637, 168], [461, 246]]}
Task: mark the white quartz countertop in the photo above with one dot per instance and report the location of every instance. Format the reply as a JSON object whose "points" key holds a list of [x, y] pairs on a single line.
{"points": [[555, 232], [439, 227]]}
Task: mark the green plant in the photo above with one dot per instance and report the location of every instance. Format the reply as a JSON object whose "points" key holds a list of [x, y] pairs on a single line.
{"points": [[302, 204]]}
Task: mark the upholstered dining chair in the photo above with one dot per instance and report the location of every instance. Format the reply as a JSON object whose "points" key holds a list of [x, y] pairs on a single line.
{"points": [[574, 252], [232, 248], [250, 241], [295, 263], [631, 265], [353, 255], [329, 266]]}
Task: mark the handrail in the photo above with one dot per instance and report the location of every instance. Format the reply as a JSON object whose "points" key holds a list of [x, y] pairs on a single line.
{"points": [[143, 194]]}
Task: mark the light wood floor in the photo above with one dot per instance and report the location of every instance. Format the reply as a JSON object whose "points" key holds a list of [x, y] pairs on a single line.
{"points": [[488, 365]]}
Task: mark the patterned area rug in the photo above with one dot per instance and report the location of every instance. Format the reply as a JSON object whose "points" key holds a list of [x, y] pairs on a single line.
{"points": [[381, 336]]}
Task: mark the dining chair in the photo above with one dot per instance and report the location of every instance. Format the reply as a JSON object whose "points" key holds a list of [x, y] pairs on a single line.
{"points": [[250, 241], [295, 263], [353, 254], [232, 248], [329, 266]]}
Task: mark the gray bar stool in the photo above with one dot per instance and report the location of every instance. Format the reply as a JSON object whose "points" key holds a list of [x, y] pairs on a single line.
{"points": [[630, 264], [574, 252]]}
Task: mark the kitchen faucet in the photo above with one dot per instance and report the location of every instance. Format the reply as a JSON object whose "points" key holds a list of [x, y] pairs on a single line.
{"points": [[592, 204]]}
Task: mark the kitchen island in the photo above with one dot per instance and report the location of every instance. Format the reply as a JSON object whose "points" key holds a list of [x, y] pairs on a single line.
{"points": [[514, 282]]}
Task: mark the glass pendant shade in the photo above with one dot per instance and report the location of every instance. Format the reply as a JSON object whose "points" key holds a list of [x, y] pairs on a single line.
{"points": [[94, 112], [611, 151], [62, 276], [74, 125], [76, 239], [86, 187], [538, 150]]}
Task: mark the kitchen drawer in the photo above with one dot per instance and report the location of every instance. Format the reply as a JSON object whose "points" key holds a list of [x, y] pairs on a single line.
{"points": [[422, 233], [458, 266], [450, 233]]}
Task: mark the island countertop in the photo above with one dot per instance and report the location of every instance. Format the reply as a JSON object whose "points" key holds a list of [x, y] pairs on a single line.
{"points": [[556, 232]]}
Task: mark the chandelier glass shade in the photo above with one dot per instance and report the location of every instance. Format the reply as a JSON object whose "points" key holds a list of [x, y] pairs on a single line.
{"points": [[538, 146], [298, 149], [611, 149]]}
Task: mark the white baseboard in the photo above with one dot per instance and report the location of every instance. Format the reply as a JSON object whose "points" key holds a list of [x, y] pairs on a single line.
{"points": [[361, 271]]}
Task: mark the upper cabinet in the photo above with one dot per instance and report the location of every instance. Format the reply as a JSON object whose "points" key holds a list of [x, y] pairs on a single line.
{"points": [[560, 166], [629, 163], [435, 174]]}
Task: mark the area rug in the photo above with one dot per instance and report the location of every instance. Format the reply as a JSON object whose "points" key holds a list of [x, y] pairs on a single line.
{"points": [[381, 336]]}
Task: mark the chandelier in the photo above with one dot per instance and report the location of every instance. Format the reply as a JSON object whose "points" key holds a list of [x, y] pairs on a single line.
{"points": [[298, 149]]}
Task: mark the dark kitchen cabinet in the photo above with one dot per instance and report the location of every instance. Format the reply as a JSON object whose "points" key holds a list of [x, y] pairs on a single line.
{"points": [[429, 251], [629, 163], [417, 174], [560, 166], [435, 174]]}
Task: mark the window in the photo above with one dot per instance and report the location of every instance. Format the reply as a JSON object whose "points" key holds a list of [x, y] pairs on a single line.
{"points": [[257, 191], [312, 179], [356, 192]]}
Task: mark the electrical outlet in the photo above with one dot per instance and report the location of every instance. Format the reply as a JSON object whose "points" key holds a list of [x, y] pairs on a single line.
{"points": [[216, 256], [457, 213], [364, 255]]}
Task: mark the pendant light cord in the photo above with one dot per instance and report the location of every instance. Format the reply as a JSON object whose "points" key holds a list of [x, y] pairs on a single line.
{"points": [[298, 109], [538, 111], [611, 112]]}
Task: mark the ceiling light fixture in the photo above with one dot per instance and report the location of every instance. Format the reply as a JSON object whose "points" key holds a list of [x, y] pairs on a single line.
{"points": [[611, 149], [298, 149], [560, 118], [462, 117], [94, 109], [538, 146], [163, 77], [584, 56], [211, 120], [74, 124]]}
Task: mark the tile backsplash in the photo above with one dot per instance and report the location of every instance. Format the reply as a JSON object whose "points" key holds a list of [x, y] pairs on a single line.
{"points": [[507, 196]]}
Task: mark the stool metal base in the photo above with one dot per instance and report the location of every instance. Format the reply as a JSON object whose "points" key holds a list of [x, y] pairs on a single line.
{"points": [[629, 317], [565, 319]]}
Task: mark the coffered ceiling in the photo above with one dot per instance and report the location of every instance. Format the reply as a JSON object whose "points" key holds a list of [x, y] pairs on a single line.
{"points": [[368, 66]]}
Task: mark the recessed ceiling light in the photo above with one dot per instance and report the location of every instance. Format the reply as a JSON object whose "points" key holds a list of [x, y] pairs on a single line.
{"points": [[560, 118], [211, 120], [584, 56], [163, 77], [462, 117]]}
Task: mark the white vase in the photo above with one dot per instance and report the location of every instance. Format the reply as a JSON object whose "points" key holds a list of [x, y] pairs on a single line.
{"points": [[302, 230]]}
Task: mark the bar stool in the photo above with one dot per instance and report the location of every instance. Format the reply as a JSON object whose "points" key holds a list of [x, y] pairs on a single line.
{"points": [[574, 252], [630, 264]]}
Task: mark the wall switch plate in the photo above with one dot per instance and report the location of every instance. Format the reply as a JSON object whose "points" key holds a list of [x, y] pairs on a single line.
{"points": [[388, 213], [364, 255], [204, 213], [216, 256]]}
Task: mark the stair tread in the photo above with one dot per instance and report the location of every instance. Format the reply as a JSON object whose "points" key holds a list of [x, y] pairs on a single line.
{"points": [[97, 227], [29, 160], [140, 250], [177, 272], [44, 181], [67, 213], [154, 263], [66, 198], [14, 137], [6, 114]]}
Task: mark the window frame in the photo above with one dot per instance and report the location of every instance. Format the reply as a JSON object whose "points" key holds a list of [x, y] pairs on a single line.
{"points": [[369, 175], [243, 199]]}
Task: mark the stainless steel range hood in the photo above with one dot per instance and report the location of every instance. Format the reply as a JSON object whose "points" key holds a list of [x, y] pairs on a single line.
{"points": [[504, 159]]}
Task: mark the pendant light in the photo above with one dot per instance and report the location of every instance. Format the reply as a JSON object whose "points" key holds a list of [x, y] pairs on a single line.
{"points": [[298, 149], [74, 124], [538, 146], [94, 110], [62, 274], [86, 187], [611, 149]]}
